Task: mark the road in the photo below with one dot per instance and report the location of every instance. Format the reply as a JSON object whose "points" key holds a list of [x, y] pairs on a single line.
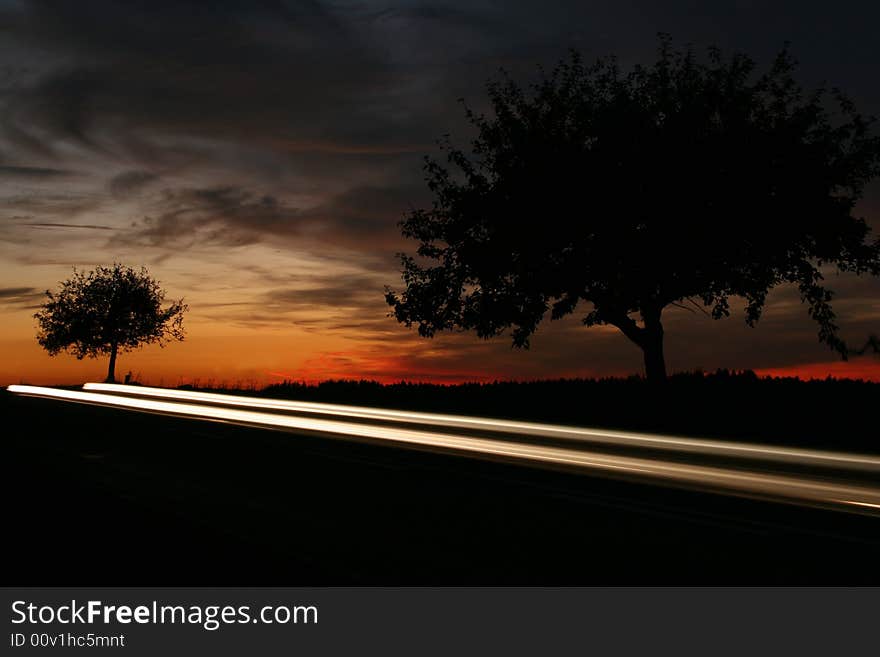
{"points": [[219, 496], [831, 479]]}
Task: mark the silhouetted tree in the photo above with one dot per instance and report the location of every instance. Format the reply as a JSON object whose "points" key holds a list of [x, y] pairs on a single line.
{"points": [[872, 346], [106, 311], [685, 182]]}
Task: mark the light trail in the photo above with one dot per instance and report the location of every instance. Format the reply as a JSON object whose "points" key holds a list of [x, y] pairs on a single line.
{"points": [[797, 456], [791, 488]]}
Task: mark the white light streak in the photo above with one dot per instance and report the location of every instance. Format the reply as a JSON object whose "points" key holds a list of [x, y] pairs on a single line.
{"points": [[807, 457], [785, 487]]}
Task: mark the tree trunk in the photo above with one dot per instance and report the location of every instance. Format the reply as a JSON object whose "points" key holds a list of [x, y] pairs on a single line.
{"points": [[649, 338], [655, 364], [111, 370], [652, 347]]}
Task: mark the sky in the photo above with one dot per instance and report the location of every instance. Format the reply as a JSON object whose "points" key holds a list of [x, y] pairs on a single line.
{"points": [[257, 157]]}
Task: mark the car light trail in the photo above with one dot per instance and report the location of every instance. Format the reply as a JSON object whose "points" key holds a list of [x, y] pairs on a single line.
{"points": [[805, 457], [862, 498]]}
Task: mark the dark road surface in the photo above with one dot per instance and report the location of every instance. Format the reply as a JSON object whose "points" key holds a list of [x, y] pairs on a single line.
{"points": [[96, 496]]}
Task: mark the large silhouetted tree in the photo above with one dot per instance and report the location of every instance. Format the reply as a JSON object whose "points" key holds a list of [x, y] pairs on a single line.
{"points": [[107, 311], [871, 346], [690, 181]]}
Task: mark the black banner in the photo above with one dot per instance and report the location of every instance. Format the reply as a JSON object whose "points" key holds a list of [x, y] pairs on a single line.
{"points": [[442, 621]]}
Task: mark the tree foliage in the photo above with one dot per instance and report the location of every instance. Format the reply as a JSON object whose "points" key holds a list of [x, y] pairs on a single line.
{"points": [[107, 311], [688, 182]]}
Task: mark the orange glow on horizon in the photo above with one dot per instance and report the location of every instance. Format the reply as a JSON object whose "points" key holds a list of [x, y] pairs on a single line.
{"points": [[251, 360], [241, 361], [864, 368], [394, 368]]}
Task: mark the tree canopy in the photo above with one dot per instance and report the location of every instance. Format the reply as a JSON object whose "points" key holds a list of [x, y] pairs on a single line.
{"points": [[691, 181], [107, 311]]}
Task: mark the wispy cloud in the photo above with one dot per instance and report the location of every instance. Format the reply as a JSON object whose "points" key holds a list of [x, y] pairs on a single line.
{"points": [[130, 182], [226, 215], [20, 298], [36, 224], [33, 172]]}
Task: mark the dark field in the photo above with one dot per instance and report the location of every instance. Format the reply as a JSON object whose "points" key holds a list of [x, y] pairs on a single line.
{"points": [[100, 497], [829, 414]]}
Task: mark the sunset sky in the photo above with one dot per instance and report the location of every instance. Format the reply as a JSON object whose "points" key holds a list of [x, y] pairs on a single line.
{"points": [[257, 157]]}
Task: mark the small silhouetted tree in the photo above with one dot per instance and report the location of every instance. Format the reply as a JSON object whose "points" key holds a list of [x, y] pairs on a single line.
{"points": [[687, 182], [107, 311]]}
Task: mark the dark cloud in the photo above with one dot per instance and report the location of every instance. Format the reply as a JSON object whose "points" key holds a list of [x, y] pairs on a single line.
{"points": [[130, 182], [366, 217], [317, 77], [32, 172], [251, 71], [219, 215], [343, 304], [50, 204], [73, 226], [362, 219], [15, 292], [331, 292], [20, 297]]}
